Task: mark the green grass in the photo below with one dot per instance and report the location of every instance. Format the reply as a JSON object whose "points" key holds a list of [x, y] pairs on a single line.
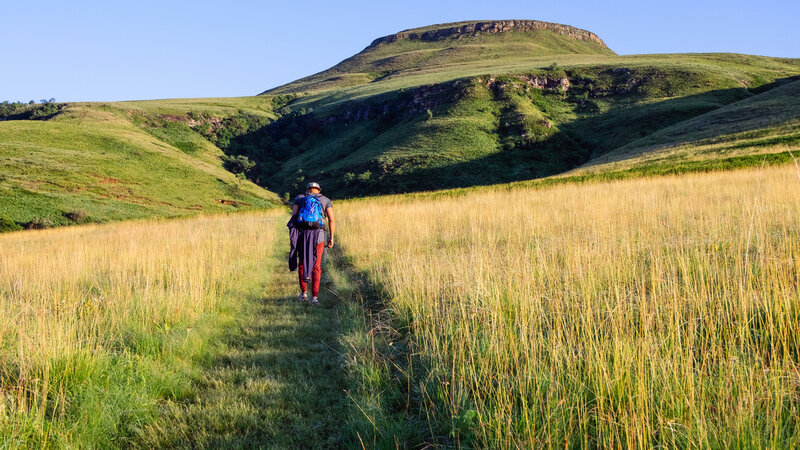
{"points": [[116, 321], [387, 60], [380, 364], [220, 106], [210, 348], [509, 375], [764, 123], [276, 377], [437, 119], [494, 129], [732, 70], [97, 160]]}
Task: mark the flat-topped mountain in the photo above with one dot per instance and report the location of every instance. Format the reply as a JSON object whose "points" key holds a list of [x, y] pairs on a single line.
{"points": [[440, 46], [460, 30]]}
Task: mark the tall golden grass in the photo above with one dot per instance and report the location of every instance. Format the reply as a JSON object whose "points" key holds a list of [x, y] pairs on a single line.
{"points": [[84, 304], [636, 313]]}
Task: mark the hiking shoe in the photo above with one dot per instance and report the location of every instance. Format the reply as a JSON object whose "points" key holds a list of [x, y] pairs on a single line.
{"points": [[314, 301], [303, 297]]}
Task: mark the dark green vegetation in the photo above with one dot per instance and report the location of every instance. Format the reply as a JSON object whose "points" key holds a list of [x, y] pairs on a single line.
{"points": [[29, 111], [488, 130], [765, 123]]}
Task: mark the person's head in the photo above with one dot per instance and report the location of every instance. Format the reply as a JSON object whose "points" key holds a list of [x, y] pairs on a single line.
{"points": [[313, 188]]}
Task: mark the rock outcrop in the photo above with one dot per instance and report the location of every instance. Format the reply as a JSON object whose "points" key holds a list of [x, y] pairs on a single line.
{"points": [[488, 27], [540, 82]]}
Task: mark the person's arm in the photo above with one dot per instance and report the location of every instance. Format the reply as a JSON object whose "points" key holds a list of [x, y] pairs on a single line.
{"points": [[331, 225], [295, 208]]}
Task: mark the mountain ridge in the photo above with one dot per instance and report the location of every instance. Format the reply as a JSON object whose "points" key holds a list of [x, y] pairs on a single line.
{"points": [[439, 31], [447, 44]]}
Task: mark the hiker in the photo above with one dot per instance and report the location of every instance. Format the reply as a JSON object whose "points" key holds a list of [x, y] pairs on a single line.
{"points": [[307, 238]]}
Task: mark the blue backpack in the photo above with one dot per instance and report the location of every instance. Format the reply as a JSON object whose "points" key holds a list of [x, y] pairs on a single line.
{"points": [[309, 216]]}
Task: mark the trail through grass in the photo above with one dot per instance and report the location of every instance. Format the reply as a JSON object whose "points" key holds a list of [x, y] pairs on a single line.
{"points": [[277, 381], [163, 334]]}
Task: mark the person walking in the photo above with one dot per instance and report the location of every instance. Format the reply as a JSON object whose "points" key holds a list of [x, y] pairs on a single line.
{"points": [[308, 238]]}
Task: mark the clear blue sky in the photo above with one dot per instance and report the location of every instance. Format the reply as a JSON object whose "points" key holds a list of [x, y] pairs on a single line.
{"points": [[109, 50]]}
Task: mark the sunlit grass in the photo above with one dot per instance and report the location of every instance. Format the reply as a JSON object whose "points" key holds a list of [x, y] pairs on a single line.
{"points": [[100, 323], [637, 313], [96, 159]]}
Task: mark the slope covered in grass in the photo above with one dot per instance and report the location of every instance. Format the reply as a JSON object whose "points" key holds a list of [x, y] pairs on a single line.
{"points": [[98, 162], [514, 122], [475, 103], [440, 46], [762, 124]]}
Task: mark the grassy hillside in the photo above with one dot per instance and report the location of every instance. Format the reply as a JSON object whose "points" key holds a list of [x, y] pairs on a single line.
{"points": [[476, 103], [768, 123], [115, 161], [438, 47], [492, 121]]}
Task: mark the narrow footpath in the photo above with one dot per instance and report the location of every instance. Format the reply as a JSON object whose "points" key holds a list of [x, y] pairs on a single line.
{"points": [[278, 381]]}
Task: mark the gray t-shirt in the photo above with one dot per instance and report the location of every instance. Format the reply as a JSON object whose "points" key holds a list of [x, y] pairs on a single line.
{"points": [[326, 203]]}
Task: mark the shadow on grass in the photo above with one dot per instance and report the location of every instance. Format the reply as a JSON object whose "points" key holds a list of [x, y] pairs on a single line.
{"points": [[385, 370], [276, 382]]}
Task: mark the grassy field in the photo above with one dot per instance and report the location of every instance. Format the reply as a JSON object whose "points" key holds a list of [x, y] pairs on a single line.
{"points": [[636, 313], [101, 324], [278, 377], [184, 333], [632, 313]]}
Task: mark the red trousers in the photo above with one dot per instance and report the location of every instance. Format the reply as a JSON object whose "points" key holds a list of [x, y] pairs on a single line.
{"points": [[316, 272]]}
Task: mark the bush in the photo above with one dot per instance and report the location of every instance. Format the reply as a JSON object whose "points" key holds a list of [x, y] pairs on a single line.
{"points": [[364, 177], [45, 111], [39, 223], [77, 215], [7, 224], [8, 108], [298, 184], [237, 164]]}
